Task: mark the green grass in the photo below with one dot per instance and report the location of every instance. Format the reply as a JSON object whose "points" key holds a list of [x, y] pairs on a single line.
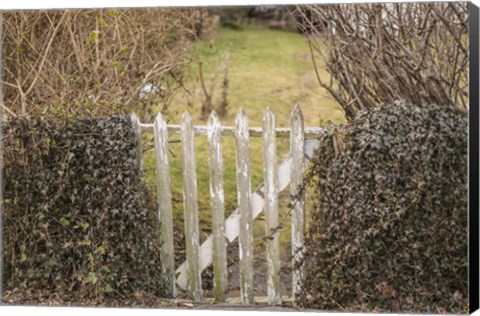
{"points": [[268, 68]]}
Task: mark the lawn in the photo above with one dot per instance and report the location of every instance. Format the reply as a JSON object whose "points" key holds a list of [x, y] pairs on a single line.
{"points": [[268, 68]]}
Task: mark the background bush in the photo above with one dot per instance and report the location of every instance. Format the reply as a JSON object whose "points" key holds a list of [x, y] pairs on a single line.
{"points": [[272, 16], [381, 52], [79, 224], [96, 62], [389, 231]]}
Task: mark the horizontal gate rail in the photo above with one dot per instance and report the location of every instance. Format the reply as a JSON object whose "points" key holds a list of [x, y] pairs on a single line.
{"points": [[282, 132]]}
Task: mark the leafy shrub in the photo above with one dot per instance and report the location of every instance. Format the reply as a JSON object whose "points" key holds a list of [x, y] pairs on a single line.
{"points": [[389, 231], [79, 223]]}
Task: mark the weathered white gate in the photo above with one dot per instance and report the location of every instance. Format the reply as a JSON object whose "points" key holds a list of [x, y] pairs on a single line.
{"points": [[250, 204]]}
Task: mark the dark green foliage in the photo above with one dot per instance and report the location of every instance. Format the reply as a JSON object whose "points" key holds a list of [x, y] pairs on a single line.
{"points": [[79, 224], [389, 231]]}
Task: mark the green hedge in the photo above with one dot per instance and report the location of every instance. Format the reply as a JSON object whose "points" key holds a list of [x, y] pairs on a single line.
{"points": [[79, 226], [389, 229]]}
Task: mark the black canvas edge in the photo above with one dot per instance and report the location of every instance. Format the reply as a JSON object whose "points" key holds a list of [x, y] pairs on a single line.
{"points": [[473, 151]]}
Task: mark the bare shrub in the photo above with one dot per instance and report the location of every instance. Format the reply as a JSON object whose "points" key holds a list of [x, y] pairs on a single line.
{"points": [[379, 53], [205, 85], [95, 62], [223, 106]]}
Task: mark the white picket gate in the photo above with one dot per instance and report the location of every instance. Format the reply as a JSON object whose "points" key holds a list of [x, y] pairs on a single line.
{"points": [[303, 142]]}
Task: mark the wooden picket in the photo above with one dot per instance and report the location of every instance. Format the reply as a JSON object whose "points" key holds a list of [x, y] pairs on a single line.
{"points": [[192, 234], [164, 200], [218, 208], [271, 208], [298, 206], [245, 237], [303, 143]]}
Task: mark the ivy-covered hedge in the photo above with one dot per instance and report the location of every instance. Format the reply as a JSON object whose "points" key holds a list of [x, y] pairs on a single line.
{"points": [[389, 229], [79, 226]]}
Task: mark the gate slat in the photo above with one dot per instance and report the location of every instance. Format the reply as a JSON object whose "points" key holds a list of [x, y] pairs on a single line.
{"points": [[219, 254], [271, 208], [164, 200], [245, 237], [298, 203], [192, 236]]}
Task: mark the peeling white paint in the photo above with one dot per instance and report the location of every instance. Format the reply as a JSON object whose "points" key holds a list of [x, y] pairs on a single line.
{"points": [[297, 153], [271, 208], [245, 237], [164, 200], [218, 208], [191, 209]]}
